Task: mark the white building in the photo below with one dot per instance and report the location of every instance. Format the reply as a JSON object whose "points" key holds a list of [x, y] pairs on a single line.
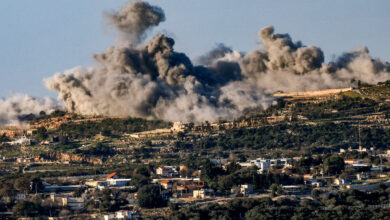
{"points": [[122, 214], [262, 164], [199, 194], [265, 164], [167, 171], [118, 182], [97, 184]]}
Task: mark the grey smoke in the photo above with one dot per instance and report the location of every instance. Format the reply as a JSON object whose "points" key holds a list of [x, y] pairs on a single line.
{"points": [[134, 19], [19, 105], [154, 81], [281, 53]]}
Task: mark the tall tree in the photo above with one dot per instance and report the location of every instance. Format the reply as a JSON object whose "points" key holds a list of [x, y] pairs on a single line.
{"points": [[149, 196]]}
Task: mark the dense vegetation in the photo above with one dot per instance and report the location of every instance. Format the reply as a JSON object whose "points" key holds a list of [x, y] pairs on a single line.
{"points": [[343, 107], [109, 127], [314, 138], [349, 204], [98, 149], [224, 180], [4, 138]]}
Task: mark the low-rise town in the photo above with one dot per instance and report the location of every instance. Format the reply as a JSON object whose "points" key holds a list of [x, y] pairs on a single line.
{"points": [[146, 186], [327, 155]]}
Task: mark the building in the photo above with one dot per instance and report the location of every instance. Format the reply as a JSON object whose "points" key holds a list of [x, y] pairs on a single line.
{"points": [[183, 167], [167, 171], [20, 196], [361, 165], [68, 200], [25, 160], [109, 216], [352, 161], [32, 132], [113, 180], [97, 184], [362, 176], [292, 188], [112, 175], [313, 182], [376, 168], [199, 194], [262, 164], [246, 189], [108, 182], [361, 149], [13, 131], [185, 187], [285, 162], [338, 181], [166, 184], [178, 127], [73, 203], [122, 214], [245, 164], [67, 188], [265, 164], [125, 214], [118, 182]]}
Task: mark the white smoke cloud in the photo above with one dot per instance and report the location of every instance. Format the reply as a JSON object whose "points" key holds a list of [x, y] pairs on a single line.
{"points": [[13, 108]]}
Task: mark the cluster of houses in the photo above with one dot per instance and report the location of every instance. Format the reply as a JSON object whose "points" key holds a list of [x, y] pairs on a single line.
{"points": [[63, 195], [111, 180], [174, 187], [122, 214], [370, 151], [16, 131], [167, 171], [264, 165], [183, 188]]}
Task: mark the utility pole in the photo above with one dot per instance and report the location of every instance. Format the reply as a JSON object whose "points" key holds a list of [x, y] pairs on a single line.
{"points": [[360, 141]]}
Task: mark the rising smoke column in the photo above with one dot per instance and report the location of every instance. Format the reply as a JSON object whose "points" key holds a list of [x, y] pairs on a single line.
{"points": [[154, 81], [134, 19], [19, 105]]}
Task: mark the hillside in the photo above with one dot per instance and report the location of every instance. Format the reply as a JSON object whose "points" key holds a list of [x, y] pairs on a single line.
{"points": [[308, 129], [300, 123], [307, 123]]}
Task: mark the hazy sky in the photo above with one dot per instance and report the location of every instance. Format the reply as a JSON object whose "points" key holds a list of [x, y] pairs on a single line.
{"points": [[41, 37]]}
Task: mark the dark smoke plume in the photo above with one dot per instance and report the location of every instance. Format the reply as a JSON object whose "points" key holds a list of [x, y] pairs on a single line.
{"points": [[154, 81], [134, 19]]}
